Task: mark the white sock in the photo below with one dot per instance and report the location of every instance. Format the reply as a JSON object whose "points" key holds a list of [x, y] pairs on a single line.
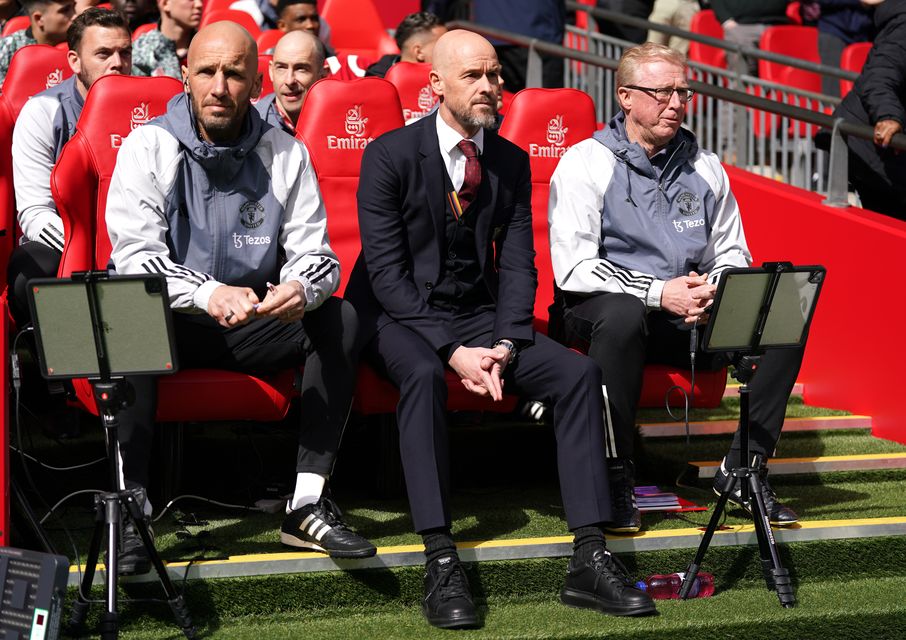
{"points": [[309, 487]]}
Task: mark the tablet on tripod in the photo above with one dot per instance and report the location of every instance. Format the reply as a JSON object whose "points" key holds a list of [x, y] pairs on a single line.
{"points": [[767, 307], [97, 325]]}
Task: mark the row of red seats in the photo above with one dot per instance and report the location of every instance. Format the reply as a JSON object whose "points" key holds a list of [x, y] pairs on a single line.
{"points": [[544, 122], [795, 41]]}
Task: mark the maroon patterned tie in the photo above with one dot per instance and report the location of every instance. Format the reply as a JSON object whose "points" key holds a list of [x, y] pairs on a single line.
{"points": [[469, 190]]}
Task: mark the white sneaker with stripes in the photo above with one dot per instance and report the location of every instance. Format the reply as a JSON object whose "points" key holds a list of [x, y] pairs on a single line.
{"points": [[319, 526]]}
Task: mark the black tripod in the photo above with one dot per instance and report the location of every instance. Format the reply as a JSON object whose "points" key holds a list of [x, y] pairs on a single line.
{"points": [[752, 489], [109, 508], [755, 309], [127, 320]]}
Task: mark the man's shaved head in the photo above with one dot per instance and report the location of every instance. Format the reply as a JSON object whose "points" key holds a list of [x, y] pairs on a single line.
{"points": [[298, 63], [465, 74], [221, 76]]}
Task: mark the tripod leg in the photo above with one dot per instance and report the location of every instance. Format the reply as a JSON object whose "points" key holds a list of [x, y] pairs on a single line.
{"points": [[176, 600], [780, 575], [81, 605], [692, 571], [109, 626]]}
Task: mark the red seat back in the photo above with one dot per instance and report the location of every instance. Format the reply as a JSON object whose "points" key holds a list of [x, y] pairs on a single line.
{"points": [[793, 12], [853, 59], [356, 28], [795, 42], [339, 118], [143, 29], [705, 23], [263, 68], [411, 82], [16, 23], [32, 70], [115, 106], [268, 40], [241, 18], [545, 123]]}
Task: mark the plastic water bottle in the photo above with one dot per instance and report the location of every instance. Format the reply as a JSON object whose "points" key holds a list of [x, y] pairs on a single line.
{"points": [[667, 587]]}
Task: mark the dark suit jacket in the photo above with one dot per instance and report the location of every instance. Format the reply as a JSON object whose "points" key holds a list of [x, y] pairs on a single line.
{"points": [[401, 203]]}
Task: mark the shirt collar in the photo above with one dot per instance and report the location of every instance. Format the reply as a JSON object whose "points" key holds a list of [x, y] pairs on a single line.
{"points": [[449, 137]]}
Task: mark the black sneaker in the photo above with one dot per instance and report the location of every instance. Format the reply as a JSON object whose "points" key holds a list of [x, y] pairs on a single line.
{"points": [[319, 526], [626, 515], [132, 558], [448, 600], [603, 584], [779, 514]]}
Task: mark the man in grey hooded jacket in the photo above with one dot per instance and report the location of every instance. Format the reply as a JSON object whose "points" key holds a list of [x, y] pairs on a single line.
{"points": [[642, 224], [227, 207]]}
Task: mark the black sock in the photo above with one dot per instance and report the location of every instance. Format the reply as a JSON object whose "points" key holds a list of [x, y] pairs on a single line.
{"points": [[438, 543], [587, 541]]}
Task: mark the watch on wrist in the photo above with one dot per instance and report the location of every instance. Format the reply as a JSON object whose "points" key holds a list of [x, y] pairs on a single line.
{"points": [[509, 346]]}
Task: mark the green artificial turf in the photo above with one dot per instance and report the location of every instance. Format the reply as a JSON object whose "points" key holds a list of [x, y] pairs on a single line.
{"points": [[729, 410]]}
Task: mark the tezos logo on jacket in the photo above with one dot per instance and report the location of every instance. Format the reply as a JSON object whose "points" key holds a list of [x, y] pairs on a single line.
{"points": [[251, 215], [425, 102], [355, 128], [556, 139], [688, 203], [54, 78]]}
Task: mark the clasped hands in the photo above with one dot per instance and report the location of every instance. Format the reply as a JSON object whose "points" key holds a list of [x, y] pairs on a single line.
{"points": [[480, 370], [689, 297], [235, 306]]}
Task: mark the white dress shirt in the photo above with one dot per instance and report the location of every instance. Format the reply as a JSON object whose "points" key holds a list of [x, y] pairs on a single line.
{"points": [[454, 159]]}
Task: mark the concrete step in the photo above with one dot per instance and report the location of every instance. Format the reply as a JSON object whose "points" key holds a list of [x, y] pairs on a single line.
{"points": [[717, 427], [821, 464], [732, 390], [517, 549]]}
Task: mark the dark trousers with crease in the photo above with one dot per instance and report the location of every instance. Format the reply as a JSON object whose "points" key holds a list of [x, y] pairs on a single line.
{"points": [[324, 340], [618, 334], [567, 381]]}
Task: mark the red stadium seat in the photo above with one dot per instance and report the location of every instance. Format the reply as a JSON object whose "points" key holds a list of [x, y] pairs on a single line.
{"points": [[705, 23], [216, 5], [545, 123], [411, 82], [356, 28], [143, 29], [267, 86], [239, 17], [114, 106], [32, 69], [347, 66], [16, 23], [268, 40], [338, 120], [793, 13], [853, 59]]}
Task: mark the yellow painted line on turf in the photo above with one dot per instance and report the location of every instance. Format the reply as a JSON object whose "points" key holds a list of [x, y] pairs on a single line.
{"points": [[522, 542], [862, 456]]}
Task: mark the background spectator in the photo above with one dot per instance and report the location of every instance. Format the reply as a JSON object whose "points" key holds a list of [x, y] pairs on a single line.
{"points": [[8, 9], [840, 23], [137, 12], [674, 13], [878, 99], [162, 51], [635, 8], [415, 37], [49, 20], [744, 21]]}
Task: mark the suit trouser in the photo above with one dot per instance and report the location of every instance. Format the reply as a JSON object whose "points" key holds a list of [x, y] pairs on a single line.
{"points": [[566, 380], [621, 337], [324, 340]]}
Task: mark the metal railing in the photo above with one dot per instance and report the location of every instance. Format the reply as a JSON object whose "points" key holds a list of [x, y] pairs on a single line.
{"points": [[716, 115]]}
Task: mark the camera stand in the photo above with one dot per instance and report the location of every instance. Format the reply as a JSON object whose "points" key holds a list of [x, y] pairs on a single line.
{"points": [[748, 477], [770, 307], [110, 510], [104, 327]]}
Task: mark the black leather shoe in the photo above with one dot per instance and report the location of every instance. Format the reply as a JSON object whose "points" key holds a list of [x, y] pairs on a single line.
{"points": [[626, 515], [603, 584], [448, 601], [320, 526], [779, 514], [133, 558]]}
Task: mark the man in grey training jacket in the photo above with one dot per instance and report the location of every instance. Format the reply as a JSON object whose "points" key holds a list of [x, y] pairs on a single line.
{"points": [[642, 224], [227, 207]]}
